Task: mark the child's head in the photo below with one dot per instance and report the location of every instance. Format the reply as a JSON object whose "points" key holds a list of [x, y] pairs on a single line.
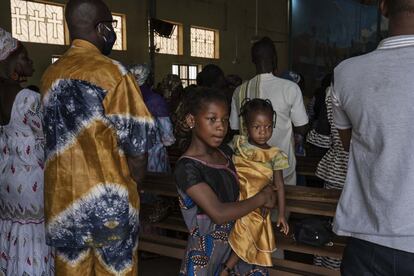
{"points": [[207, 115], [259, 118]]}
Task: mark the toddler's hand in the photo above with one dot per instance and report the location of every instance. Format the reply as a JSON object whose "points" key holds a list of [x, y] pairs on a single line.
{"points": [[281, 222]]}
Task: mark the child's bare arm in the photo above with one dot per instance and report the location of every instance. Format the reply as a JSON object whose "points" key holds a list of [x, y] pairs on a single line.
{"points": [[280, 186]]}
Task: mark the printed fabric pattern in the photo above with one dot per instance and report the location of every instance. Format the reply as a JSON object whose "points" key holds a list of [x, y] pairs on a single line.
{"points": [[94, 118]]}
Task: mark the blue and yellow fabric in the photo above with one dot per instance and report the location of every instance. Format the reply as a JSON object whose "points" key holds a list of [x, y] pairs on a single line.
{"points": [[94, 118]]}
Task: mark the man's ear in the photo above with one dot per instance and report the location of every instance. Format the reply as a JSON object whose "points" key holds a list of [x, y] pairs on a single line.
{"points": [[190, 120], [383, 6]]}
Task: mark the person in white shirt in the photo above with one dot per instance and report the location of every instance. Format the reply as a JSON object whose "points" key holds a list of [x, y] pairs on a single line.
{"points": [[286, 99]]}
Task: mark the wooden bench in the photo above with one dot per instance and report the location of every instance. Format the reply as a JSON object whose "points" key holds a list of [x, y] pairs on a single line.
{"points": [[175, 248], [305, 165], [302, 200]]}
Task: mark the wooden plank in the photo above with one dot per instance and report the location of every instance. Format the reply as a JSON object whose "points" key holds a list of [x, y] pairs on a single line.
{"points": [[312, 194], [175, 248], [163, 184], [289, 244], [311, 208], [164, 240], [279, 272], [305, 165], [311, 269], [293, 202], [172, 223], [160, 249], [282, 242]]}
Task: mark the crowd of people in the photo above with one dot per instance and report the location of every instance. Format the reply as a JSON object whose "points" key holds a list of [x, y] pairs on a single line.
{"points": [[73, 155]]}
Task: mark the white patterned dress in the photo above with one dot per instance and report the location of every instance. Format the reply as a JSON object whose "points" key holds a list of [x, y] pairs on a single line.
{"points": [[23, 250]]}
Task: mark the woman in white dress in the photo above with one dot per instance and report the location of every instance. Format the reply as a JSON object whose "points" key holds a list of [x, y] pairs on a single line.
{"points": [[23, 250]]}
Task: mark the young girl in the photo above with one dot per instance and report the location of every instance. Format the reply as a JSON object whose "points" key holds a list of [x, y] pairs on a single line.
{"points": [[208, 188], [257, 165]]}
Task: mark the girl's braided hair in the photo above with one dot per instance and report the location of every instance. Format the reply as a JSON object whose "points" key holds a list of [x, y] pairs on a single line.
{"points": [[254, 105], [194, 99]]}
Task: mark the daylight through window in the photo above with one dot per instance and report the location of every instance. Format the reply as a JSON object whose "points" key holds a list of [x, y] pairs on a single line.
{"points": [[37, 22]]}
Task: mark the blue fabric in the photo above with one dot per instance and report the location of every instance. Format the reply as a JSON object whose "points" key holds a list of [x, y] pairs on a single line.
{"points": [[117, 256], [157, 155], [70, 106], [134, 137], [107, 203], [155, 103], [73, 104]]}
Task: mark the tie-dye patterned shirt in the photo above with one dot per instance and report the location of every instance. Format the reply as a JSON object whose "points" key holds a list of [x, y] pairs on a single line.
{"points": [[94, 116]]}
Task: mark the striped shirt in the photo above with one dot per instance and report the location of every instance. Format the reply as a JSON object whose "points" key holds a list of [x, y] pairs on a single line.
{"points": [[333, 165]]}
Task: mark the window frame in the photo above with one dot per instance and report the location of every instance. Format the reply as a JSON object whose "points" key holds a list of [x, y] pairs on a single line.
{"points": [[66, 38], [199, 67], [123, 30], [216, 54], [180, 38]]}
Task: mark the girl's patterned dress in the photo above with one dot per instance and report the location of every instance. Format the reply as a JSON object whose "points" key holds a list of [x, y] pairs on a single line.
{"points": [[208, 245]]}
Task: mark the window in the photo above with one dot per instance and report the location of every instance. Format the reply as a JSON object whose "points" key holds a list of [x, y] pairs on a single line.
{"points": [[37, 22], [165, 45], [120, 30], [55, 58], [204, 43], [187, 73]]}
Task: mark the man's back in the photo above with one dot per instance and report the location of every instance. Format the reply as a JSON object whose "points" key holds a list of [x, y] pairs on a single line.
{"points": [[374, 95], [94, 116]]}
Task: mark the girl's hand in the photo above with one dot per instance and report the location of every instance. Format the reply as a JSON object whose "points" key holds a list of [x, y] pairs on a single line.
{"points": [[224, 273], [281, 222], [264, 212], [268, 197]]}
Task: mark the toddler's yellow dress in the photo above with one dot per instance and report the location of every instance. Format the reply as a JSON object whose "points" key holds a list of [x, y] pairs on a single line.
{"points": [[252, 237]]}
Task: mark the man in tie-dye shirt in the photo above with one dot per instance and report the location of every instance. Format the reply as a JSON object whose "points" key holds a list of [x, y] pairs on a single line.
{"points": [[98, 131]]}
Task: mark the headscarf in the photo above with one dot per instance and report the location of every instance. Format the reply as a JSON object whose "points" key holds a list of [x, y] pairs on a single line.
{"points": [[8, 44], [141, 73]]}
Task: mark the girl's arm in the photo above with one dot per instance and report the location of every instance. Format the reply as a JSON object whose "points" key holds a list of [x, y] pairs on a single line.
{"points": [[220, 212], [280, 186]]}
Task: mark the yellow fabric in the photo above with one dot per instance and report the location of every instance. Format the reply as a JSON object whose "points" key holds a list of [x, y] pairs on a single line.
{"points": [[92, 163], [252, 237]]}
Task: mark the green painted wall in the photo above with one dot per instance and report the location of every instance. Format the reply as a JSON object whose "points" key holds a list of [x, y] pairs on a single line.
{"points": [[231, 17]]}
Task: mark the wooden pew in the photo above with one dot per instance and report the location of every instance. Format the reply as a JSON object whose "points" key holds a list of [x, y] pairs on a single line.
{"points": [[302, 200], [305, 165]]}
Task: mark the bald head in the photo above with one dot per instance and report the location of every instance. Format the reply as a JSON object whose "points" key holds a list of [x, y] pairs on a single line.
{"points": [[264, 55], [396, 7], [83, 15], [401, 16]]}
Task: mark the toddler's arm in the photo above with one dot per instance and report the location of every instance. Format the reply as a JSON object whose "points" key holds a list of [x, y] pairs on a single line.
{"points": [[280, 186]]}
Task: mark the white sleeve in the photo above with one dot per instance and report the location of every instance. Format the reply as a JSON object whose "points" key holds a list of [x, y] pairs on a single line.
{"points": [[234, 114], [341, 120], [298, 113]]}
